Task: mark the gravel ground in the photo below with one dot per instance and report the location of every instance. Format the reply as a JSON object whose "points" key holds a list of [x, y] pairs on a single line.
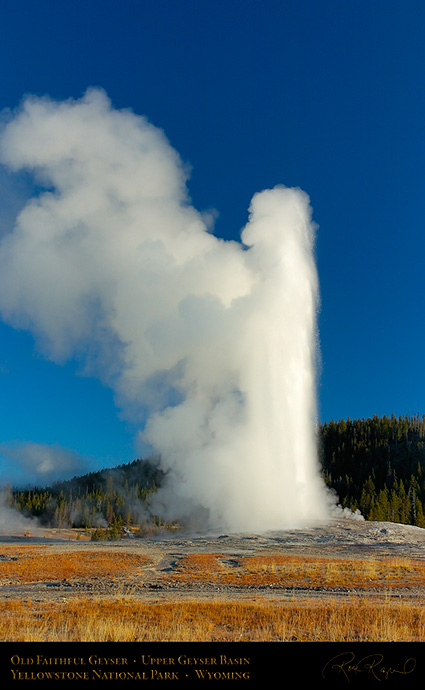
{"points": [[345, 538]]}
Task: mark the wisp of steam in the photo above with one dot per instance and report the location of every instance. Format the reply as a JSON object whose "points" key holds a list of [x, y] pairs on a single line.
{"points": [[210, 345]]}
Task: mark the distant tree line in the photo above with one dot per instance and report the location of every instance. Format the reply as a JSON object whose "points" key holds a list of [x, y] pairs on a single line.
{"points": [[377, 466], [108, 498]]}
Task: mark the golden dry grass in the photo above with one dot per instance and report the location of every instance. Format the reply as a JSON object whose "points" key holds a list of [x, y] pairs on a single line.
{"points": [[132, 621], [33, 564], [298, 571], [357, 617]]}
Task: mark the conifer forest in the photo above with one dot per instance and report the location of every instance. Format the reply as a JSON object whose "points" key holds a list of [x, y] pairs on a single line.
{"points": [[377, 466]]}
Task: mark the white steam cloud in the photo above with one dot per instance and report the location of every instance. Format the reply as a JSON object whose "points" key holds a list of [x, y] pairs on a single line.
{"points": [[209, 344]]}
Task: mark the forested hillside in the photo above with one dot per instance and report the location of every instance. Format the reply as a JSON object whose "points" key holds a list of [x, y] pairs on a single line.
{"points": [[108, 498], [375, 465]]}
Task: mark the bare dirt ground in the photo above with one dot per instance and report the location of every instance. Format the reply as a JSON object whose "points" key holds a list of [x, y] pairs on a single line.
{"points": [[162, 572]]}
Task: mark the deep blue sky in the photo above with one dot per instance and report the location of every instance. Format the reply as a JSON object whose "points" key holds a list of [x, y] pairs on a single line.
{"points": [[327, 95]]}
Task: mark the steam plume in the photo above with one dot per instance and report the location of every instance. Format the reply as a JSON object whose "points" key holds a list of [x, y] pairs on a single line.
{"points": [[210, 345]]}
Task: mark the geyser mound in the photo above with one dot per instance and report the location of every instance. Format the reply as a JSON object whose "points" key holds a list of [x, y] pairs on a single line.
{"points": [[209, 344]]}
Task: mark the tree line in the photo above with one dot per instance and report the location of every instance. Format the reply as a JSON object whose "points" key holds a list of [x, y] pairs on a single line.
{"points": [[374, 465], [109, 498], [377, 466]]}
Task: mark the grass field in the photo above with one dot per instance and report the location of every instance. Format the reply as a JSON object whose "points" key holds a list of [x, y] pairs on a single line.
{"points": [[94, 620], [369, 610], [302, 572], [33, 564]]}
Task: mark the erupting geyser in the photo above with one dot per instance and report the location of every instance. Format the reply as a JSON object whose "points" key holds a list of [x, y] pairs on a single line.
{"points": [[210, 344]]}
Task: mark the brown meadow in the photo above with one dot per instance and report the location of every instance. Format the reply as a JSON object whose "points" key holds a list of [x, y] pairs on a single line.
{"points": [[270, 597], [33, 564], [302, 572], [91, 620]]}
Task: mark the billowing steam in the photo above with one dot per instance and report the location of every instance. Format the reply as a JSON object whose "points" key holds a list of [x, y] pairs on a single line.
{"points": [[208, 344], [12, 521]]}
